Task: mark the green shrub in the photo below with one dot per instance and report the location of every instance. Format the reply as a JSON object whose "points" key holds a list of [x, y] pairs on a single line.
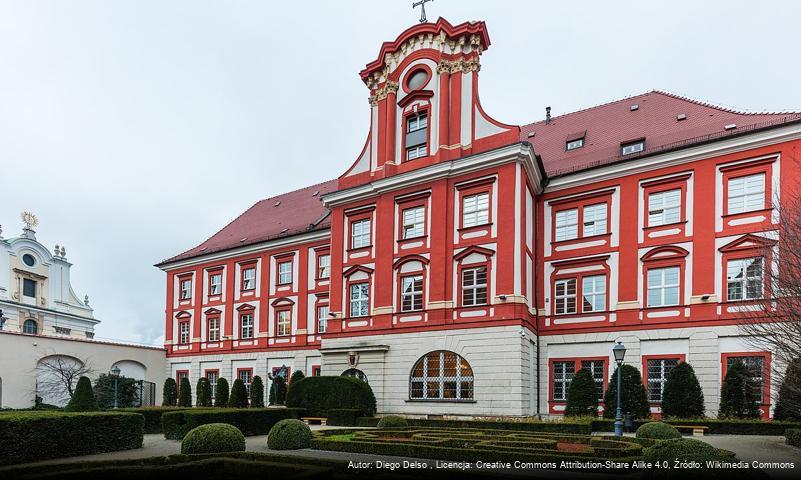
{"points": [[278, 391], [239, 395], [582, 396], [257, 393], [367, 421], [296, 375], [729, 426], [392, 421], [684, 449], [32, 436], [185, 393], [221, 392], [152, 416], [343, 417], [635, 399], [740, 394], [682, 396], [289, 434], [83, 399], [657, 431], [213, 438], [318, 395], [126, 391], [169, 394], [788, 405], [203, 392], [250, 421], [793, 437]]}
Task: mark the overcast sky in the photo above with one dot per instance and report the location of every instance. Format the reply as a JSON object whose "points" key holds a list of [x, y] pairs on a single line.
{"points": [[136, 129]]}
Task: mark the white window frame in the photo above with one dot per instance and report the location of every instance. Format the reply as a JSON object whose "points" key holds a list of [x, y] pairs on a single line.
{"points": [[359, 299], [565, 296], [662, 286], [566, 227], [597, 369], [215, 376], [664, 208], [285, 272], [360, 233], [661, 379], [246, 325], [411, 290], [183, 332], [632, 147], [472, 286], [594, 219], [248, 279], [745, 194], [322, 318], [562, 377], [283, 323], [742, 265], [324, 266], [210, 330], [414, 222], [593, 291], [186, 288], [433, 381], [247, 379], [574, 144], [418, 151], [215, 283], [475, 209]]}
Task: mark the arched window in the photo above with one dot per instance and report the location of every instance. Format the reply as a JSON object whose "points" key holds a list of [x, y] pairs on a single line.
{"points": [[30, 327], [441, 375], [355, 372]]}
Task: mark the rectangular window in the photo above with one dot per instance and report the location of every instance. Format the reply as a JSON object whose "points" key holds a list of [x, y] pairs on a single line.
{"points": [[249, 278], [744, 279], [323, 266], [474, 286], [567, 225], [414, 222], [632, 147], [285, 273], [247, 325], [28, 287], [322, 318], [594, 220], [565, 296], [360, 234], [316, 370], [664, 208], [574, 144], [597, 369], [283, 323], [416, 136], [246, 375], [212, 376], [562, 375], [663, 286], [475, 210], [186, 289], [215, 284], [360, 300], [213, 329], [411, 293], [756, 372], [746, 194], [658, 370], [183, 333], [593, 293]]}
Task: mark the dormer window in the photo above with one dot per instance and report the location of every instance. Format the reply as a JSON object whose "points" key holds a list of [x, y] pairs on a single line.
{"points": [[632, 147], [416, 136], [574, 144]]}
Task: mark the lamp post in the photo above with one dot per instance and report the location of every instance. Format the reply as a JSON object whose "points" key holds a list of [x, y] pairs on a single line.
{"points": [[115, 372], [620, 352]]}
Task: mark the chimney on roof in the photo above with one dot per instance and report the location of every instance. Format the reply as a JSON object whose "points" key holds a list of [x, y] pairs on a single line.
{"points": [[547, 115]]}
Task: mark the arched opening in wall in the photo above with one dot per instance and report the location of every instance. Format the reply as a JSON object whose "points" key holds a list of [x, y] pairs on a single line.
{"points": [[131, 369], [441, 375], [56, 377], [356, 373], [30, 327]]}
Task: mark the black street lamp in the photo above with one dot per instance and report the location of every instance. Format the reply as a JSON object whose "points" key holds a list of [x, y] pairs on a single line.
{"points": [[115, 372], [620, 353]]}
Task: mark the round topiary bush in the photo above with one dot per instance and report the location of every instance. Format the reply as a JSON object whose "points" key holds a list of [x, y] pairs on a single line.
{"points": [[392, 421], [213, 438], [289, 434], [657, 431], [682, 449]]}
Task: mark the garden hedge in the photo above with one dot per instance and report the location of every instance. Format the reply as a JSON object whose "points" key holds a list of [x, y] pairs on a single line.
{"points": [[393, 421], [715, 426], [318, 395], [152, 416], [793, 437], [289, 434], [250, 421], [344, 417], [31, 436], [213, 438], [579, 426], [657, 431], [83, 398]]}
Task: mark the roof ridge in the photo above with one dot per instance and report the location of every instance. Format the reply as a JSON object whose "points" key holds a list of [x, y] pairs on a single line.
{"points": [[593, 107], [723, 108]]}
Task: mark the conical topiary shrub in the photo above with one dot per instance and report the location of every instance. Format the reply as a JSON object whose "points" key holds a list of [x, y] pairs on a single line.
{"points": [[239, 395], [257, 393], [169, 394], [739, 395], [682, 396], [582, 396], [83, 398], [297, 375], [788, 405], [185, 393], [635, 399], [221, 392], [203, 392]]}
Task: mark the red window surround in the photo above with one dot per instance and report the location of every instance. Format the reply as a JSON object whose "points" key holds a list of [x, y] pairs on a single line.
{"points": [[320, 252], [211, 370], [185, 277], [210, 316], [579, 203], [288, 373], [462, 267], [322, 301], [678, 182], [218, 270], [766, 365], [577, 366], [747, 246], [316, 370], [476, 187], [279, 312], [407, 202], [179, 374], [241, 312], [250, 264], [764, 166], [189, 332], [349, 282], [677, 356], [411, 112], [601, 268], [399, 280], [662, 257], [249, 372]]}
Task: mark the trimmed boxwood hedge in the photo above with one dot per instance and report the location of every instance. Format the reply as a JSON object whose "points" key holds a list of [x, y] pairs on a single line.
{"points": [[393, 421], [213, 438], [152, 416], [793, 437], [578, 426], [30, 436], [657, 431], [318, 395], [344, 417], [289, 434], [250, 421], [715, 426]]}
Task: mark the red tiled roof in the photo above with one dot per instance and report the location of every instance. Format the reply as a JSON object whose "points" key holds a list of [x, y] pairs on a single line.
{"points": [[279, 216], [655, 119]]}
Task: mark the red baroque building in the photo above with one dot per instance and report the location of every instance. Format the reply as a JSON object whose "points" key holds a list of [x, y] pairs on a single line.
{"points": [[468, 267]]}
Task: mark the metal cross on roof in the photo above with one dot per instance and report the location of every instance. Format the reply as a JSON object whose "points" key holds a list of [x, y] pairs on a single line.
{"points": [[422, 4]]}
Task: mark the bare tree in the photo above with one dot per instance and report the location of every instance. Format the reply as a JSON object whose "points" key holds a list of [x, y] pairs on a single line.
{"points": [[57, 375]]}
